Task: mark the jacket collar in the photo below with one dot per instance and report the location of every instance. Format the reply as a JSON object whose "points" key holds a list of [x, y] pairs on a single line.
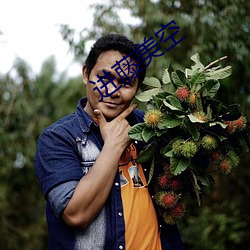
{"points": [[84, 119]]}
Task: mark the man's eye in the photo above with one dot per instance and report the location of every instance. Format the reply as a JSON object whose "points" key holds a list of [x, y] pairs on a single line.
{"points": [[104, 79], [126, 81]]}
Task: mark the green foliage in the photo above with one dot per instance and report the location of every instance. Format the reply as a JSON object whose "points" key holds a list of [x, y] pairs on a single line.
{"points": [[215, 227], [27, 105]]}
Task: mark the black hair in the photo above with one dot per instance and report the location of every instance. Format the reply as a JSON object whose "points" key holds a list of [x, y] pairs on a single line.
{"points": [[114, 42]]}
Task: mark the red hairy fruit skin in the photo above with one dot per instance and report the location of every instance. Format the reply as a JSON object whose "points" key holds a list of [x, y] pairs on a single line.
{"points": [[225, 166], [178, 211], [183, 93], [163, 181]]}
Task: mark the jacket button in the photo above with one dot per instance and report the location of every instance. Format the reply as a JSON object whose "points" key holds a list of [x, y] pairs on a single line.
{"points": [[120, 247]]}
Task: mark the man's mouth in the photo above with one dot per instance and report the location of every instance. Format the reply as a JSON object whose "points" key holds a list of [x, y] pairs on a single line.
{"points": [[111, 104]]}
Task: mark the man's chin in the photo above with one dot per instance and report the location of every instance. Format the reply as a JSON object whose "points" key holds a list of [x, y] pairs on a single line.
{"points": [[111, 114]]}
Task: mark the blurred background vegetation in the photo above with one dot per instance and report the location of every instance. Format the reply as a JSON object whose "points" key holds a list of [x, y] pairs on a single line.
{"points": [[29, 103]]}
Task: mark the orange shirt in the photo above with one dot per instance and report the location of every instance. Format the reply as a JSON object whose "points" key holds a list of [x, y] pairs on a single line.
{"points": [[140, 218]]}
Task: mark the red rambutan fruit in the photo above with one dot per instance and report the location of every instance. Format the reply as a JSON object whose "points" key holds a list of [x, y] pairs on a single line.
{"points": [[168, 199], [240, 123], [175, 183], [225, 166], [167, 170], [230, 127], [178, 211], [183, 93], [215, 155], [169, 219], [163, 181]]}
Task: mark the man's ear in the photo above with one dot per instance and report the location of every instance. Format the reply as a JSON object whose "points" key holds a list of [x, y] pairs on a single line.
{"points": [[84, 74]]}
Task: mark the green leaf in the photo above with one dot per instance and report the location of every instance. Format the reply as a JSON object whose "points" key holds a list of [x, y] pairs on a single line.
{"points": [[174, 110], [169, 88], [205, 180], [147, 133], [159, 132], [169, 121], [211, 88], [198, 78], [174, 102], [136, 132], [162, 95], [233, 112], [148, 94], [215, 105], [151, 171], [220, 73], [158, 101], [196, 59], [166, 77], [169, 153], [178, 165], [146, 154], [221, 138], [179, 78], [193, 130], [152, 82]]}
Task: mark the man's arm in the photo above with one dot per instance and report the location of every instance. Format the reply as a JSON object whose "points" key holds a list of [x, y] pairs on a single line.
{"points": [[93, 189]]}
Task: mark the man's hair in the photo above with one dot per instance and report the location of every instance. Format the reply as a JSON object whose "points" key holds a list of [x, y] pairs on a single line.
{"points": [[114, 42]]}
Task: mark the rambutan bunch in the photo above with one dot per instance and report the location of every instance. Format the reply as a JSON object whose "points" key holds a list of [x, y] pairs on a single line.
{"points": [[236, 125], [169, 182], [193, 132], [224, 162], [169, 195]]}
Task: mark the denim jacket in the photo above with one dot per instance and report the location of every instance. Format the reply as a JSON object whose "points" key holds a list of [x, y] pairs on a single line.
{"points": [[65, 152]]}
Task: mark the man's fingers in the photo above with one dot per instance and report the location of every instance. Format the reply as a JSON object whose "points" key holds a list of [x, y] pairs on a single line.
{"points": [[127, 111], [100, 116]]}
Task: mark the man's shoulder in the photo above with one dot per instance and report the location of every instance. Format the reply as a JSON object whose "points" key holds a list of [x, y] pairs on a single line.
{"points": [[62, 123]]}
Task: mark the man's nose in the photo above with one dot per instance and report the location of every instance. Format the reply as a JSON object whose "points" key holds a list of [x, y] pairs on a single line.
{"points": [[114, 87]]}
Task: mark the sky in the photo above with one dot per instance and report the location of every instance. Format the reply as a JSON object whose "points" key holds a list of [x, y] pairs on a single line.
{"points": [[30, 31]]}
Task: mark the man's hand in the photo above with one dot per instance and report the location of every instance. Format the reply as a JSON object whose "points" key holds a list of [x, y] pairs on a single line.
{"points": [[115, 132]]}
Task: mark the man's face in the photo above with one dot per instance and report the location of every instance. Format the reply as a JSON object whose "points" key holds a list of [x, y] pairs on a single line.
{"points": [[113, 105]]}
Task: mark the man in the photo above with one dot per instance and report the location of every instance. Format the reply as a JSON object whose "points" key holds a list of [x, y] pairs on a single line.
{"points": [[97, 195]]}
